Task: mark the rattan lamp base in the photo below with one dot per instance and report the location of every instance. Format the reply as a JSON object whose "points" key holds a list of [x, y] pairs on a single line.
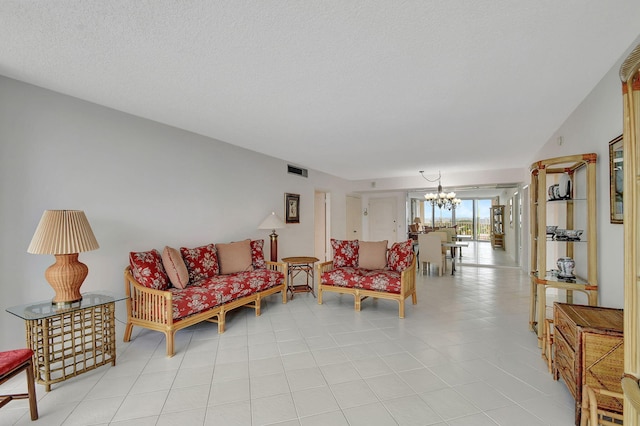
{"points": [[66, 277]]}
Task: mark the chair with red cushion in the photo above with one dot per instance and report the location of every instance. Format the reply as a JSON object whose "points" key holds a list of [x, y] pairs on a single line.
{"points": [[13, 363]]}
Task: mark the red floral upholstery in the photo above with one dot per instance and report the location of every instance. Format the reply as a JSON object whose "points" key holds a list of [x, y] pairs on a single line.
{"points": [[11, 359], [342, 277], [380, 280], [345, 253], [147, 269], [221, 289], [257, 254], [376, 280], [400, 256], [202, 262]]}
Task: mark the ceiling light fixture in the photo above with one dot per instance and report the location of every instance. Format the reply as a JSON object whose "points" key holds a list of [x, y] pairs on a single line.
{"points": [[440, 198]]}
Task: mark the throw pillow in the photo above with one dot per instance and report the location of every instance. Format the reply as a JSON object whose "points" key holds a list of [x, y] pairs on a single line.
{"points": [[235, 257], [147, 269], [202, 262], [345, 253], [175, 267], [257, 254], [372, 254], [400, 256]]}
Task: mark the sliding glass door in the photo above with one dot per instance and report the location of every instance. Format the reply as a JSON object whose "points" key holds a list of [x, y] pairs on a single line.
{"points": [[483, 220], [471, 217]]}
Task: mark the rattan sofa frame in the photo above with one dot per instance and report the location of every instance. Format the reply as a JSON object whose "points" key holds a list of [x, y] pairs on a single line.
{"points": [[407, 287], [158, 312]]}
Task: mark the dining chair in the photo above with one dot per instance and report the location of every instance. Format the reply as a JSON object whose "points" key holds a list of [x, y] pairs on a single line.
{"points": [[12, 363], [430, 248]]}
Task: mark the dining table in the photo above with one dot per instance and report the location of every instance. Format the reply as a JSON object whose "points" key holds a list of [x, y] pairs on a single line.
{"points": [[454, 246]]}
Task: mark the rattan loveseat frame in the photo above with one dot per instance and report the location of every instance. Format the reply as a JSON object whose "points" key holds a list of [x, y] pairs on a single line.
{"points": [[407, 287], [157, 311]]}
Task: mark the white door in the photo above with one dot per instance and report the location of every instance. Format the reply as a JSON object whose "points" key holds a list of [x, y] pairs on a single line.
{"points": [[354, 218], [383, 219]]}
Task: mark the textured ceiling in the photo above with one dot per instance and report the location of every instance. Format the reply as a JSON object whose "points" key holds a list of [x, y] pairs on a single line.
{"points": [[358, 89]]}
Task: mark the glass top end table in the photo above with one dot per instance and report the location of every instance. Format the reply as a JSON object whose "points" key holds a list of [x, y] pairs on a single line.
{"points": [[72, 339]]}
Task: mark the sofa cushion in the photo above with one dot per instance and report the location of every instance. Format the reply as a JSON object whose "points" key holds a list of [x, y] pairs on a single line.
{"points": [[380, 280], [257, 254], [235, 257], [341, 277], [345, 253], [202, 262], [147, 269], [215, 291], [257, 280], [372, 254], [400, 256], [175, 267], [191, 300]]}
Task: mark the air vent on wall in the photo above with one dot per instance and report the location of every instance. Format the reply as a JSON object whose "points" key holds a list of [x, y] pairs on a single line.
{"points": [[297, 171]]}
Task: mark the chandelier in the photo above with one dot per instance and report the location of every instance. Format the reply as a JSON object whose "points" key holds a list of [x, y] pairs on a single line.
{"points": [[441, 199]]}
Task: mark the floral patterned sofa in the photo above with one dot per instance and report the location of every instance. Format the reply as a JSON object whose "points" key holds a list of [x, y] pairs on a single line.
{"points": [[368, 269], [174, 289]]}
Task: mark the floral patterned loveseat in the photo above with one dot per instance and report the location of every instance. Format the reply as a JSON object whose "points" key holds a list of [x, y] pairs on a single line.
{"points": [[369, 269], [174, 289]]}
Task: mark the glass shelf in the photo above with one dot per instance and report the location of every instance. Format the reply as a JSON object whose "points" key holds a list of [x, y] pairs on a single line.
{"points": [[551, 276]]}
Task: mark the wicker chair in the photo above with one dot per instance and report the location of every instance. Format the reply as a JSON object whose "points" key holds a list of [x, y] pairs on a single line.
{"points": [[15, 362], [592, 415]]}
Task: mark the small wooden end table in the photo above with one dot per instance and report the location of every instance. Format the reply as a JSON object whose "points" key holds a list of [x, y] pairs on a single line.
{"points": [[297, 265]]}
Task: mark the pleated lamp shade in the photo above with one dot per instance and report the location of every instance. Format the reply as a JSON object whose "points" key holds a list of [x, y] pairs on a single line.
{"points": [[64, 233], [272, 222]]}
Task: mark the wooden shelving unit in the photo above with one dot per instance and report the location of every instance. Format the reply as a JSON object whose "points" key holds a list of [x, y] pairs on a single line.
{"points": [[575, 211], [497, 226]]}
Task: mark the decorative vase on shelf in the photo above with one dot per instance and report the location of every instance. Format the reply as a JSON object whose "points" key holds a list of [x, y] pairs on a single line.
{"points": [[566, 266], [564, 186]]}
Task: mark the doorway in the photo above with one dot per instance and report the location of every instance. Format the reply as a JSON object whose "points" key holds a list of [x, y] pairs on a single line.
{"points": [[383, 219], [354, 218]]}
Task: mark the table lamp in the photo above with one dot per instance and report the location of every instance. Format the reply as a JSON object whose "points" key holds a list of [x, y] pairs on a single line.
{"points": [[273, 222], [64, 233]]}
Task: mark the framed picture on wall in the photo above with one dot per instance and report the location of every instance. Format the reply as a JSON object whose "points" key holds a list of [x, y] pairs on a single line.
{"points": [[292, 208], [616, 179]]}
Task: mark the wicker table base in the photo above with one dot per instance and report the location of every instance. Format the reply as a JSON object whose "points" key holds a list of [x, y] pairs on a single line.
{"points": [[70, 340]]}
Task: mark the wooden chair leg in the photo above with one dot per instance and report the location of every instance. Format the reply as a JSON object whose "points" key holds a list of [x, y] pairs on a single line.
{"points": [[13, 363], [31, 389], [548, 344]]}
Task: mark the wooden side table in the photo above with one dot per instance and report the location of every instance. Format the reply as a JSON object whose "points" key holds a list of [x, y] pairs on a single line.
{"points": [[296, 266], [70, 340]]}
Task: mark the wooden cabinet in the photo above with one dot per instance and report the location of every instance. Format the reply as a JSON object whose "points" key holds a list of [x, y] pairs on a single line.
{"points": [[572, 208], [589, 349], [497, 226]]}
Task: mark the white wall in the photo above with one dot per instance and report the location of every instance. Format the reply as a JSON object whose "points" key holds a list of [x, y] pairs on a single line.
{"points": [[590, 127], [142, 185]]}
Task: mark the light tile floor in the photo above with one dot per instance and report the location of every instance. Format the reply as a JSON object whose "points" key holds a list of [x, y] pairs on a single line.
{"points": [[481, 253], [462, 356]]}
